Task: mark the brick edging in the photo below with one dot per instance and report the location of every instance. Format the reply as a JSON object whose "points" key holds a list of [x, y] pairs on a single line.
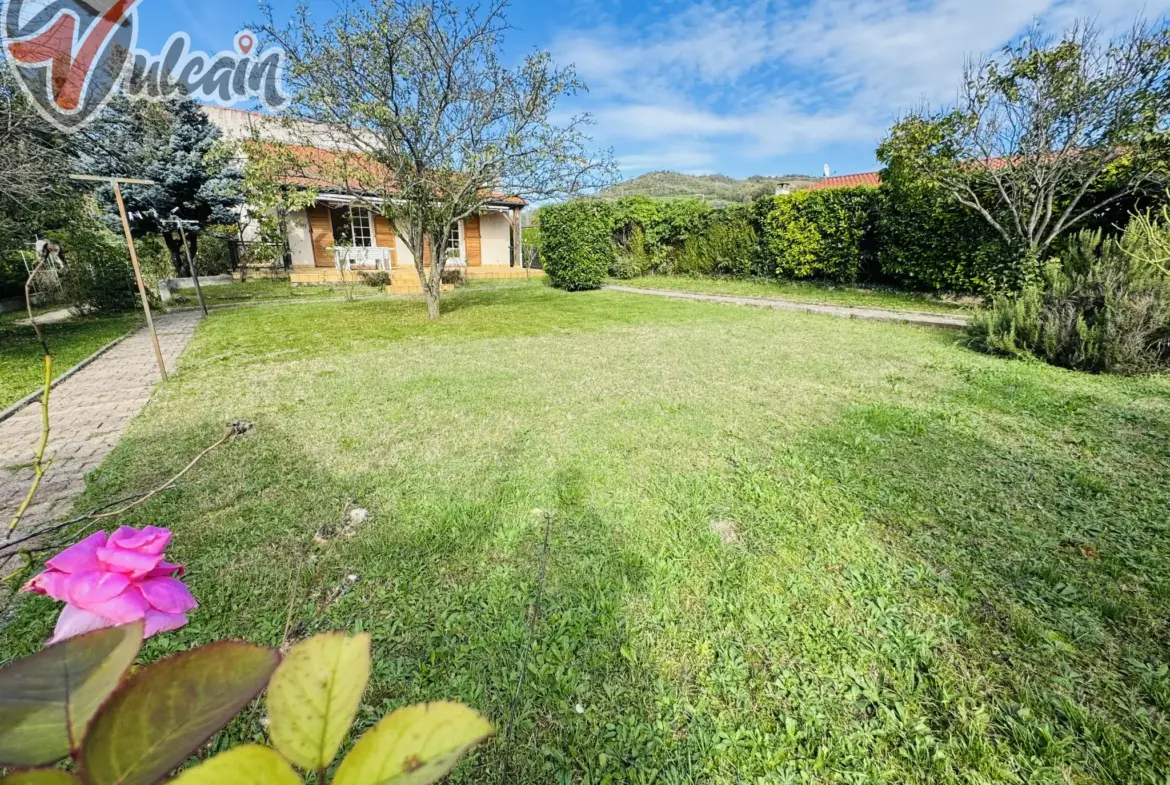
{"points": [[32, 397]]}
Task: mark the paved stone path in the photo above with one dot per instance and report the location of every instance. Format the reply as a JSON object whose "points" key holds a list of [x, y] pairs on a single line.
{"points": [[87, 414], [878, 314]]}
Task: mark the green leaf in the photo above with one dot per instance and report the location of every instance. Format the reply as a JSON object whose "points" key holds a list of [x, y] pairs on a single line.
{"points": [[249, 764], [48, 698], [413, 746], [40, 777], [314, 694], [164, 712]]}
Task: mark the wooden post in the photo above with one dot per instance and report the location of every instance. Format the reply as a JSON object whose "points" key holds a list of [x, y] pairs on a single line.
{"points": [[162, 366], [517, 249], [191, 264], [113, 181]]}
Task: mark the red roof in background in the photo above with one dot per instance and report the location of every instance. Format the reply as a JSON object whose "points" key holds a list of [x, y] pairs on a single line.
{"points": [[871, 179]]}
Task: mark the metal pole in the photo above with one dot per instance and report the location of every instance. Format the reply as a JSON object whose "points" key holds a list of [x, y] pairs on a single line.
{"points": [[162, 366], [191, 264]]}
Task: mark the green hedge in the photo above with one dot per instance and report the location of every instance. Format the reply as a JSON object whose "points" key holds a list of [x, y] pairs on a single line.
{"points": [[901, 233], [820, 234], [576, 248]]}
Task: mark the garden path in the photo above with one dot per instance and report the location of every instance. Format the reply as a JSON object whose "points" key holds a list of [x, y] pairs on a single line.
{"points": [[848, 312], [87, 414]]}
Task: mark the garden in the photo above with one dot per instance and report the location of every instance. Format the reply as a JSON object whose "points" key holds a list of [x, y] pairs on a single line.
{"points": [[779, 546], [567, 534]]}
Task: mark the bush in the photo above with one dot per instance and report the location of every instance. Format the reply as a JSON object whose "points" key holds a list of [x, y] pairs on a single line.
{"points": [[726, 244], [98, 277], [820, 234], [1099, 309], [378, 279], [925, 239], [576, 248], [452, 274], [630, 258]]}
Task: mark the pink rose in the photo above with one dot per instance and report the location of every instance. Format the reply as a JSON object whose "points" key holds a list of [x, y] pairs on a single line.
{"points": [[116, 580]]}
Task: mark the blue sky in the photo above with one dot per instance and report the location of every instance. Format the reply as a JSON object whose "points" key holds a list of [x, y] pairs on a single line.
{"points": [[741, 88]]}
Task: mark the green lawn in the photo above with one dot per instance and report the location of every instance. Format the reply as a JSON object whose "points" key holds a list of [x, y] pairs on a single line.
{"points": [[22, 367], [263, 290], [941, 567], [803, 291]]}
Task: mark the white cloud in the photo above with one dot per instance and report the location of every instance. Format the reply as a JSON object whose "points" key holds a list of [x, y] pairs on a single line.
{"points": [[765, 80]]}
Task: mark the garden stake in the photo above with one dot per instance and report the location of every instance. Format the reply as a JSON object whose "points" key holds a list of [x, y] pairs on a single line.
{"points": [[113, 181]]}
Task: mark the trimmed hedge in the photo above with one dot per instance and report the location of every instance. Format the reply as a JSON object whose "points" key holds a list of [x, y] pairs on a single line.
{"points": [[820, 234], [576, 247]]}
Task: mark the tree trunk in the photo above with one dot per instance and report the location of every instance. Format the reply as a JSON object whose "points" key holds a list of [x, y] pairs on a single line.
{"points": [[178, 258], [434, 285]]}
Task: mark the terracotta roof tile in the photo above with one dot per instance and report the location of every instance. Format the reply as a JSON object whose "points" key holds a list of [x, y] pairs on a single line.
{"points": [[871, 179]]}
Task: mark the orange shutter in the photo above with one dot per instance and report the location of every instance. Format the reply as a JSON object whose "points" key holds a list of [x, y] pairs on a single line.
{"points": [[321, 230], [385, 236], [472, 250]]}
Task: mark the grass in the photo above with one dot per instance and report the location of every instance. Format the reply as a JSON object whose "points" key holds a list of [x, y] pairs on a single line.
{"points": [[262, 290], [22, 367], [802, 291], [784, 547]]}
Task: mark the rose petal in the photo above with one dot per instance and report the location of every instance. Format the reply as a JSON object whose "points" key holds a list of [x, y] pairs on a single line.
{"points": [[49, 582], [125, 608], [167, 570], [80, 556], [75, 621], [150, 540], [132, 563], [88, 589], [157, 621], [168, 595]]}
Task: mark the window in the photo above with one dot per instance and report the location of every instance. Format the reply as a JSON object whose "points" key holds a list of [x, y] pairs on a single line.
{"points": [[454, 242], [362, 226], [353, 226]]}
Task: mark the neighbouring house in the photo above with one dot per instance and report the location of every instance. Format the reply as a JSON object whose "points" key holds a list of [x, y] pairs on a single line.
{"points": [[341, 235], [871, 179]]}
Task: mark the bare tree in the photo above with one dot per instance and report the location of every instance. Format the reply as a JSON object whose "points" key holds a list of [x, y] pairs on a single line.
{"points": [[1049, 132], [429, 123], [33, 160]]}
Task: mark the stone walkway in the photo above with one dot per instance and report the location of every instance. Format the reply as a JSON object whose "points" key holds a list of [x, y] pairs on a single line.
{"points": [[87, 414], [877, 314]]}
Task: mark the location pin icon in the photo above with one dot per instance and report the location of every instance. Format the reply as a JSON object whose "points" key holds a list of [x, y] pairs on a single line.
{"points": [[244, 42]]}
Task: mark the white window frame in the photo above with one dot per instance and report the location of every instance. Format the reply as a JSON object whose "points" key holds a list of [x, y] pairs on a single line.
{"points": [[455, 242], [362, 218]]}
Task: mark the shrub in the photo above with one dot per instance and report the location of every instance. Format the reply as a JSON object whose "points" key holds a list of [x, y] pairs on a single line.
{"points": [[378, 279], [927, 240], [452, 274], [631, 259], [576, 248], [726, 244], [820, 234], [98, 277], [1100, 309]]}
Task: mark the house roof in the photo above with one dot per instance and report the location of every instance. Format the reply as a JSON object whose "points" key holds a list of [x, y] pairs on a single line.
{"points": [[323, 169], [870, 179]]}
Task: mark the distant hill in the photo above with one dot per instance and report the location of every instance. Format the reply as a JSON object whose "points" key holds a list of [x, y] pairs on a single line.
{"points": [[716, 188]]}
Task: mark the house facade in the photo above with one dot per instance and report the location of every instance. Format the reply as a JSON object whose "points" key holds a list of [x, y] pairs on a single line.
{"points": [[343, 235]]}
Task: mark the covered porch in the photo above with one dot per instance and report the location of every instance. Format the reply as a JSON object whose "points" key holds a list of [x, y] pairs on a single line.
{"points": [[341, 236]]}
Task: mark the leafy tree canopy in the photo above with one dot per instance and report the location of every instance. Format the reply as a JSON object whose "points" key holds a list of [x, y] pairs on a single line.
{"points": [[1039, 130]]}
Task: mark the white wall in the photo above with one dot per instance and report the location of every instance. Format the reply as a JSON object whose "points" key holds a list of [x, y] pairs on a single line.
{"points": [[403, 256], [300, 239], [494, 231]]}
